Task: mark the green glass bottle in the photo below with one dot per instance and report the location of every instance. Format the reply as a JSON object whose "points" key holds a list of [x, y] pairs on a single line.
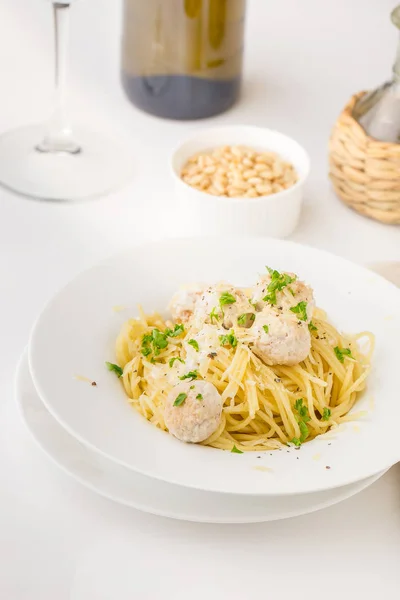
{"points": [[182, 59]]}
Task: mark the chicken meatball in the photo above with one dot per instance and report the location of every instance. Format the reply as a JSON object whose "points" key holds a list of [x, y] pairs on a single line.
{"points": [[289, 296], [183, 302], [280, 338], [193, 411], [222, 304]]}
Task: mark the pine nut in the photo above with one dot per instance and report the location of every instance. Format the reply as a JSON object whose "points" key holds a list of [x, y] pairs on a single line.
{"points": [[196, 179], [264, 188], [266, 174], [235, 193], [278, 169], [240, 184], [237, 174], [236, 151], [213, 190], [249, 173], [205, 183], [269, 157], [219, 186], [251, 193]]}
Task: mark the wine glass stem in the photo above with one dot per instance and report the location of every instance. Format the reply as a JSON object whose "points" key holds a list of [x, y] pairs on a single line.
{"points": [[59, 136]]}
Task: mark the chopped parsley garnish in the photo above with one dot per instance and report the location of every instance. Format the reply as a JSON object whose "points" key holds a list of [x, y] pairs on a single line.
{"points": [[214, 315], [326, 415], [194, 344], [199, 397], [304, 431], [191, 387], [226, 298], [277, 283], [312, 327], [302, 418], [179, 400], [172, 360], [146, 344], [342, 352], [228, 340], [301, 409], [177, 330], [266, 328], [236, 450], [154, 342], [242, 319], [157, 340], [191, 375], [291, 291], [301, 310], [112, 367]]}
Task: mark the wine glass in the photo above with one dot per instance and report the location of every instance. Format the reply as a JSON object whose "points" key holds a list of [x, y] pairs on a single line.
{"points": [[48, 161]]}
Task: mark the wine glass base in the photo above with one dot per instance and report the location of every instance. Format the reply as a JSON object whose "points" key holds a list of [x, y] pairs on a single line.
{"points": [[100, 167]]}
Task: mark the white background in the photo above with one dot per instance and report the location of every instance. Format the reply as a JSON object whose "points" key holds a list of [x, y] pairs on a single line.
{"points": [[57, 541]]}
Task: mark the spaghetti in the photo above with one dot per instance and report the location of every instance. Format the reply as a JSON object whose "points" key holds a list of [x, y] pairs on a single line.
{"points": [[264, 407]]}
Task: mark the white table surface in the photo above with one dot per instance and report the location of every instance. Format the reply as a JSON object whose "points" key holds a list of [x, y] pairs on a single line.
{"points": [[59, 541]]}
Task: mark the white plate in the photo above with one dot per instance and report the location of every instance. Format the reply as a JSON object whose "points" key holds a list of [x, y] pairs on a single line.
{"points": [[76, 333], [138, 491]]}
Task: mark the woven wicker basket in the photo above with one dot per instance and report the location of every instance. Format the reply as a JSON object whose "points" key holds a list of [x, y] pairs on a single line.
{"points": [[365, 172]]}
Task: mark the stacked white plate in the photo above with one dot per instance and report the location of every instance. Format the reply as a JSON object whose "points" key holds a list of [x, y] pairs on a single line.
{"points": [[79, 414]]}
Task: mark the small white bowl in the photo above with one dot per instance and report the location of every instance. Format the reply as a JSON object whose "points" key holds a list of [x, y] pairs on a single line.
{"points": [[275, 215]]}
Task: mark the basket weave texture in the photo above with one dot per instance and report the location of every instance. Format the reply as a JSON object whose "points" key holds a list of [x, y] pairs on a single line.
{"points": [[365, 172]]}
